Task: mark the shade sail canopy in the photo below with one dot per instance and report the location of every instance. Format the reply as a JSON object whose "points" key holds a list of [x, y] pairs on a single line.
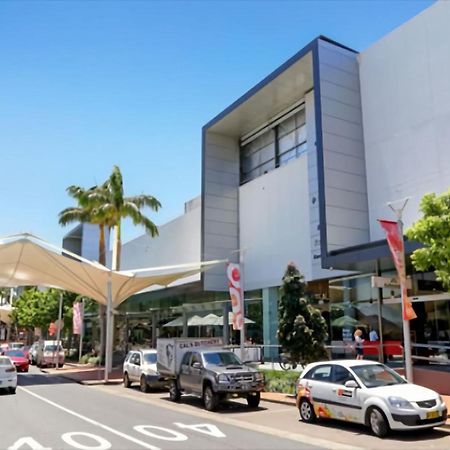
{"points": [[347, 321], [5, 313], [26, 260]]}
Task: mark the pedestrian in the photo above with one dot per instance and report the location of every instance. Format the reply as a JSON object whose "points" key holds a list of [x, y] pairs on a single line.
{"points": [[373, 335], [358, 343]]}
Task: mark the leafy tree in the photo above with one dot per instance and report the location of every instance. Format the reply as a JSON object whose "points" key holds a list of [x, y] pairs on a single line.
{"points": [[302, 329], [433, 231], [35, 308]]}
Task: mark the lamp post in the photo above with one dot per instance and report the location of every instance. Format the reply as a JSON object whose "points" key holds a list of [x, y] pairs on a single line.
{"points": [[406, 328]]}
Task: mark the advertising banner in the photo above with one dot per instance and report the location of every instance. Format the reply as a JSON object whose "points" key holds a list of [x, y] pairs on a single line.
{"points": [[77, 318], [396, 245], [236, 295]]}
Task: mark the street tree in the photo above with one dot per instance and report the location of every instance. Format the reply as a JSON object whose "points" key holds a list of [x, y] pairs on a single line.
{"points": [[433, 231], [302, 330]]}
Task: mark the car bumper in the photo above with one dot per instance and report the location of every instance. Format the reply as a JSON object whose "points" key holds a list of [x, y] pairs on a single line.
{"points": [[22, 367], [157, 380], [418, 419], [239, 388], [8, 382]]}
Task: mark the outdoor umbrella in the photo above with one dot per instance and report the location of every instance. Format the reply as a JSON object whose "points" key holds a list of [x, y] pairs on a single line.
{"points": [[347, 321]]}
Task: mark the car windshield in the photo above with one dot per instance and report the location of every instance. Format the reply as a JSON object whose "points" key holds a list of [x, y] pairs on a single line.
{"points": [[5, 361], [376, 375], [15, 353], [150, 358], [52, 348], [222, 358]]}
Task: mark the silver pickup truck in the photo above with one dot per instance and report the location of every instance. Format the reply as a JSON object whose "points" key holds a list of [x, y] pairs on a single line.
{"points": [[215, 375]]}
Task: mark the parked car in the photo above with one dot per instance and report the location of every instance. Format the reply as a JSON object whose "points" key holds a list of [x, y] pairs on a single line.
{"points": [[214, 374], [140, 366], [50, 353], [16, 345], [19, 359], [8, 375], [368, 393], [32, 353]]}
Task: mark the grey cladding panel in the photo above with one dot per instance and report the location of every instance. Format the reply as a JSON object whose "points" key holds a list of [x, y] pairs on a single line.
{"points": [[220, 204], [345, 183]]}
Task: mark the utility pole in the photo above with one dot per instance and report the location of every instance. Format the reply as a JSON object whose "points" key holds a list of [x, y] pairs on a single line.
{"points": [[406, 328], [58, 330]]}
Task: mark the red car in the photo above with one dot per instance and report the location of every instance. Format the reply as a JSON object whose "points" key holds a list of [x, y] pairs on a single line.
{"points": [[19, 359]]}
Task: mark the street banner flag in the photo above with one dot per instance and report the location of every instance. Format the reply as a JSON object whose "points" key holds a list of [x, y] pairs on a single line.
{"points": [[52, 329], [236, 295], [396, 245], [77, 318]]}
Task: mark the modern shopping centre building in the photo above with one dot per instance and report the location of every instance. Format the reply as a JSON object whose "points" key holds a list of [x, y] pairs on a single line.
{"points": [[299, 169]]}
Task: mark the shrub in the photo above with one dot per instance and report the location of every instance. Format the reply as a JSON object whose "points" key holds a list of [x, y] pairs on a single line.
{"points": [[94, 360], [85, 359], [280, 381]]}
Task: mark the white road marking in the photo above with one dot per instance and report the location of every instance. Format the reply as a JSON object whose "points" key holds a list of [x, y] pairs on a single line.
{"points": [[103, 444], [172, 434], [91, 421], [29, 442]]}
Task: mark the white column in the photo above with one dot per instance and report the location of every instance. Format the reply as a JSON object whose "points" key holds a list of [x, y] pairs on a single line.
{"points": [[109, 331]]}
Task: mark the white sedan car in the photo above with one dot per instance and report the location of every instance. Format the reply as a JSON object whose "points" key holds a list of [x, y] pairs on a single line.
{"points": [[369, 393], [8, 375]]}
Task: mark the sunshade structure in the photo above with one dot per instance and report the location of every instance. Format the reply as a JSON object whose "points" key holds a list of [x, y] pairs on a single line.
{"points": [[209, 320], [347, 321], [5, 313], [194, 321], [26, 260]]}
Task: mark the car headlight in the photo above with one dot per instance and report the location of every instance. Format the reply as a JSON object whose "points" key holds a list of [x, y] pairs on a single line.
{"points": [[222, 378], [259, 376], [400, 403]]}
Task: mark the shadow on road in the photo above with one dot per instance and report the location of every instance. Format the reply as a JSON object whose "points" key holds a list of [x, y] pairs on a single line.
{"points": [[33, 379], [228, 407], [405, 436]]}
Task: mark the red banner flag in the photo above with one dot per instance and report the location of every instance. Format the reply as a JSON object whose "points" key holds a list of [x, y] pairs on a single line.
{"points": [[77, 318], [236, 295], [396, 245]]}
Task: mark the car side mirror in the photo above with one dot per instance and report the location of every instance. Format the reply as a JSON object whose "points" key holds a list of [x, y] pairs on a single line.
{"points": [[351, 384], [197, 365]]}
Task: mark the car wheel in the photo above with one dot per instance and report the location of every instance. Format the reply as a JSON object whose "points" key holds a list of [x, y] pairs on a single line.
{"points": [[210, 399], [378, 422], [126, 380], [253, 400], [143, 384], [174, 391], [307, 413], [61, 365], [12, 390]]}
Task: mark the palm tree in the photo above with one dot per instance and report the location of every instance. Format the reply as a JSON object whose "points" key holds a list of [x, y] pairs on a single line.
{"points": [[87, 212], [113, 207]]}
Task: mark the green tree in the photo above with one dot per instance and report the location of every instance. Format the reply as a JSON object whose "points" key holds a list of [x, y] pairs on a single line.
{"points": [[433, 231], [35, 308], [302, 330]]}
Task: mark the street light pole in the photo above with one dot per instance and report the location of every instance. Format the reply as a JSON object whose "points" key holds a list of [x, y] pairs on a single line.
{"points": [[58, 330], [406, 327]]}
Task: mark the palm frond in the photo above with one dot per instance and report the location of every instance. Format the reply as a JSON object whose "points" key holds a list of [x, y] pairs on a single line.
{"points": [[70, 215], [144, 200], [132, 211]]}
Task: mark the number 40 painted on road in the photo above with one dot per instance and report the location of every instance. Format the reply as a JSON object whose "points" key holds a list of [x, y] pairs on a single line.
{"points": [[103, 444]]}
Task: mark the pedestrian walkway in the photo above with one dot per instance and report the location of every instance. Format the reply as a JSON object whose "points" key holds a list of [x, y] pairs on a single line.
{"points": [[90, 375]]}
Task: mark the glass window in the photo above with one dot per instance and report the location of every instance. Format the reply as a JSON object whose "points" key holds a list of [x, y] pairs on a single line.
{"points": [[375, 375], [222, 358], [320, 373], [341, 375], [150, 358], [185, 360]]}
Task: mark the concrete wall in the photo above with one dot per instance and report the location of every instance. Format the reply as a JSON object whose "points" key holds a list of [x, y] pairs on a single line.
{"points": [[220, 205], [343, 148], [405, 88], [178, 242], [274, 224]]}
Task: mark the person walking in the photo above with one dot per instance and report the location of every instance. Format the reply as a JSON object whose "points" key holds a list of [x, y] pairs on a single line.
{"points": [[358, 343], [373, 335]]}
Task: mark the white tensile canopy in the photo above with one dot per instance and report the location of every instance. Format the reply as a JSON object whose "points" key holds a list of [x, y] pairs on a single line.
{"points": [[26, 260], [5, 313]]}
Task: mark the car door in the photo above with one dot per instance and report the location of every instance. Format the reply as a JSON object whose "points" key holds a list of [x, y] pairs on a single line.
{"points": [[185, 372], [318, 383], [345, 401], [137, 366], [196, 373]]}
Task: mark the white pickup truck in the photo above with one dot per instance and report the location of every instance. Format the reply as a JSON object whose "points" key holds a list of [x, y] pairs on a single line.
{"points": [[202, 367]]}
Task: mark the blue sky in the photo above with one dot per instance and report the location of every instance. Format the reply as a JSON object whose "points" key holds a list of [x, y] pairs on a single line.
{"points": [[85, 85]]}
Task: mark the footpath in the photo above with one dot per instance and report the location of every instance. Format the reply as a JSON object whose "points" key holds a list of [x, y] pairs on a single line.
{"points": [[91, 375]]}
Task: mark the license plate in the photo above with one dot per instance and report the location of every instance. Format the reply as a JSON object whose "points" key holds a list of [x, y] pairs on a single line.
{"points": [[432, 414]]}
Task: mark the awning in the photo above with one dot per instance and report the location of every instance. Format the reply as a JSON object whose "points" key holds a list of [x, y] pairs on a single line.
{"points": [[5, 313]]}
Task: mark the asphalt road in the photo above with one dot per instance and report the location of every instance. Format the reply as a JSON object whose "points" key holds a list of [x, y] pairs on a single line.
{"points": [[48, 412]]}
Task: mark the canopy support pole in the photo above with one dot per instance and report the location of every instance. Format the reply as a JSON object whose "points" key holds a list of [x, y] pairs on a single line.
{"points": [[109, 337]]}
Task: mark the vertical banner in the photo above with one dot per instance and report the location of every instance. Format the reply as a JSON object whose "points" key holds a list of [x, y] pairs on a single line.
{"points": [[236, 295], [77, 318], [396, 245]]}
